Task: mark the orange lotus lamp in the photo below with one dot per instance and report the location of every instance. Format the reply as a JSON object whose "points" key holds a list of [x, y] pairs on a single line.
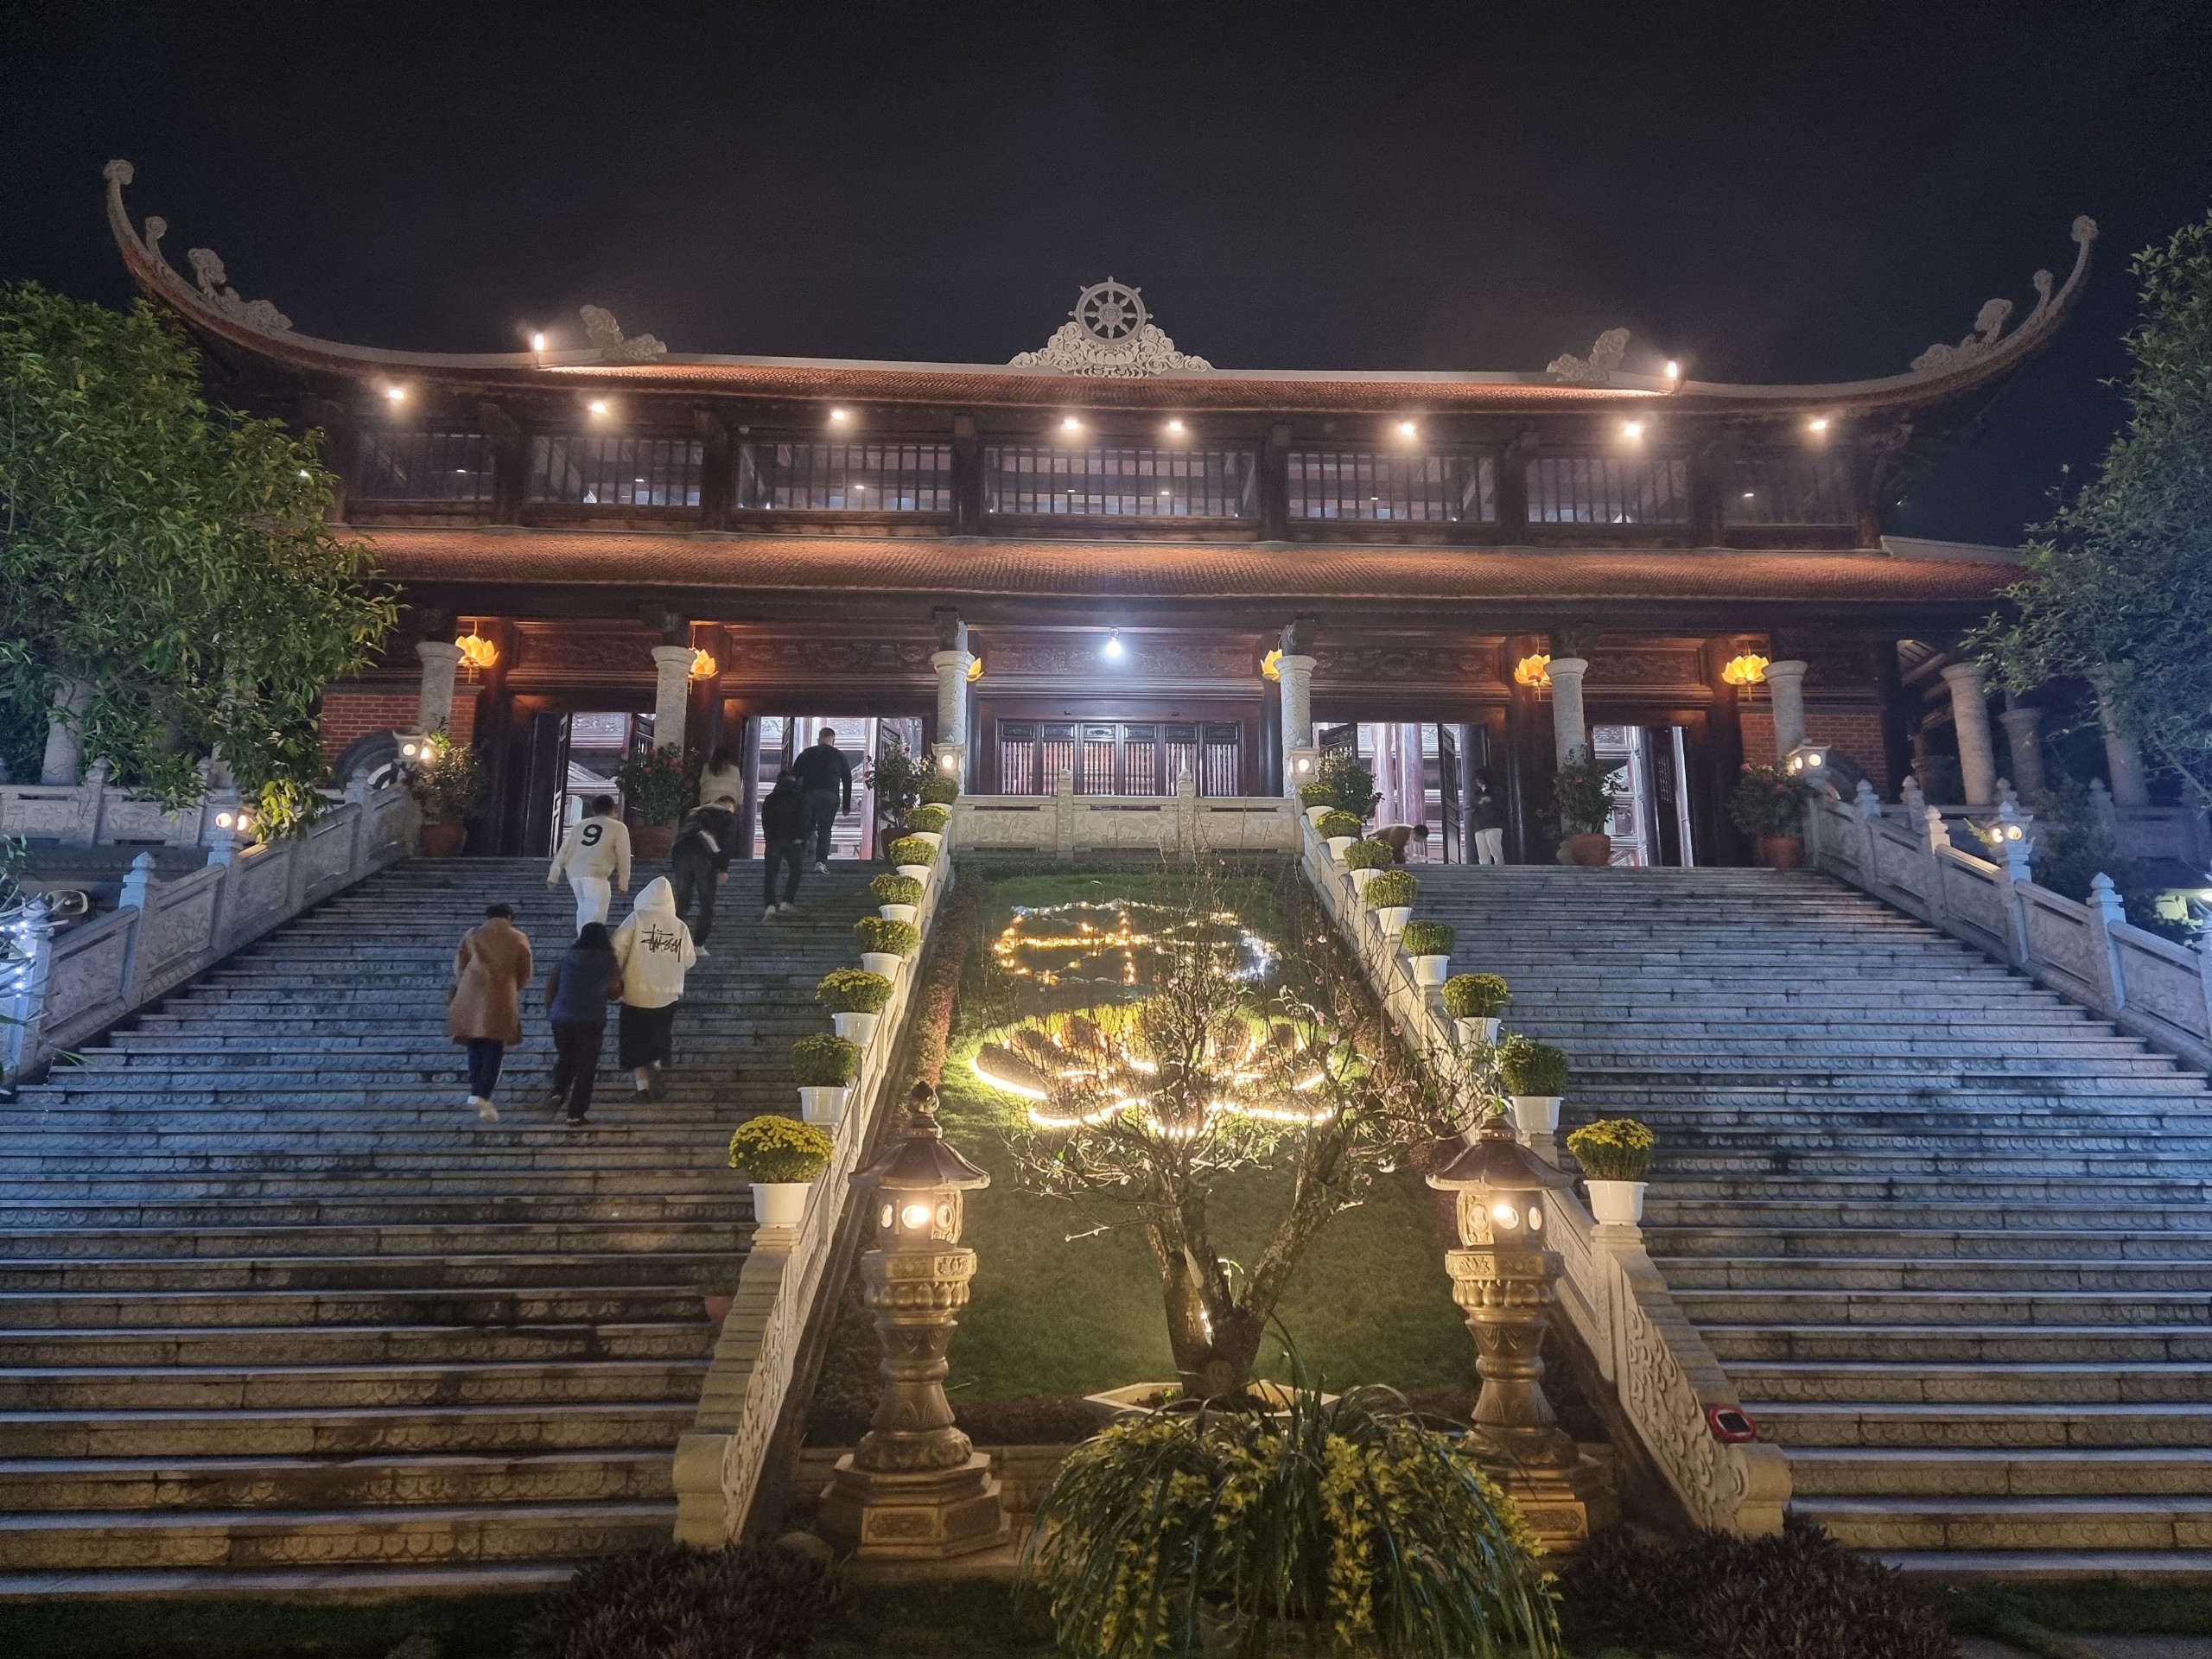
{"points": [[1533, 670]]}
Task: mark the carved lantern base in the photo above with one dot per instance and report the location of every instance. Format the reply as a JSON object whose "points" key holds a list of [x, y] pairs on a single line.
{"points": [[1563, 1504], [921, 1515]]}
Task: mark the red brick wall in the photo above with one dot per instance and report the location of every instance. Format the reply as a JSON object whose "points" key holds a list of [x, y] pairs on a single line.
{"points": [[1757, 727], [1857, 734], [349, 715]]}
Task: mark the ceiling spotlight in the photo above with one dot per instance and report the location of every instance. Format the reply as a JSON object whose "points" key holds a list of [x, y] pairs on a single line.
{"points": [[1632, 428], [599, 405], [1175, 426], [1072, 424], [395, 393], [1113, 644], [841, 415], [537, 342], [1674, 370], [1408, 429], [1818, 423]]}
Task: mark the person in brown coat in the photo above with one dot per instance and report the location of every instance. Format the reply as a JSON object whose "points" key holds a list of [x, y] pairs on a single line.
{"points": [[484, 1008]]}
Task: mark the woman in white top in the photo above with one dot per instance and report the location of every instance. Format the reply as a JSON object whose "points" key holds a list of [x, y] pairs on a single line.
{"points": [[653, 950]]}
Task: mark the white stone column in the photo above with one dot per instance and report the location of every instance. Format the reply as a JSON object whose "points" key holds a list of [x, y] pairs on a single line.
{"points": [[1785, 690], [1977, 747], [65, 750], [1295, 675], [952, 668], [2131, 785], [1570, 733], [672, 695], [434, 705], [2023, 737]]}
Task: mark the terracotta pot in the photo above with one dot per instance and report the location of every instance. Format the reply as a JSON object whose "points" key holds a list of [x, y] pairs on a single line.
{"points": [[443, 839], [1590, 851], [652, 839], [717, 1307], [1778, 852]]}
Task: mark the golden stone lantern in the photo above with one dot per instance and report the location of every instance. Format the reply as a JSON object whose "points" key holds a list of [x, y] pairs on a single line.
{"points": [[915, 1487]]}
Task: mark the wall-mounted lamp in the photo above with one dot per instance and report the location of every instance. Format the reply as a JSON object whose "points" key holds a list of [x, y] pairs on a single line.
{"points": [[1749, 669], [1113, 647], [477, 652], [975, 669], [1534, 669], [704, 666], [1271, 665]]}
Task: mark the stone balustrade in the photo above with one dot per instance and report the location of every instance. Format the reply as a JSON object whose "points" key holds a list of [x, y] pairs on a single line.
{"points": [[97, 813], [1064, 824]]}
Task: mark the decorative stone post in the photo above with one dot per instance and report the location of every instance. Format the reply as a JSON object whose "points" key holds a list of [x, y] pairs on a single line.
{"points": [[1502, 1277], [2023, 737], [1294, 673], [2131, 786], [1570, 734], [915, 1488], [672, 695], [952, 666], [434, 705], [1977, 748], [64, 762], [1785, 688]]}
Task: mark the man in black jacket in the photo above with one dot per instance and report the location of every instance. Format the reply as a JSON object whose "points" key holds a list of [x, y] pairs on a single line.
{"points": [[700, 860], [826, 778], [783, 826]]}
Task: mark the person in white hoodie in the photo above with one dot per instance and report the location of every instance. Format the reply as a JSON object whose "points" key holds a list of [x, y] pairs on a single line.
{"points": [[653, 950], [595, 856]]}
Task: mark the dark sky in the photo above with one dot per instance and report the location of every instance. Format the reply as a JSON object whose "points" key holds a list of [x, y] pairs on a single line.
{"points": [[1779, 191]]}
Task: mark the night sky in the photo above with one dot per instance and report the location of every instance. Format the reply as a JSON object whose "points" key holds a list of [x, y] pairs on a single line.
{"points": [[1781, 192]]}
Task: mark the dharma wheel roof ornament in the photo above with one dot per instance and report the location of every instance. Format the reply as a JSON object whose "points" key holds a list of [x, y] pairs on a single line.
{"points": [[1111, 334], [1989, 321]]}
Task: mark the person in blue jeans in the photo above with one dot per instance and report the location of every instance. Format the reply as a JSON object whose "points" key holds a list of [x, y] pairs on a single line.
{"points": [[826, 778], [577, 992]]}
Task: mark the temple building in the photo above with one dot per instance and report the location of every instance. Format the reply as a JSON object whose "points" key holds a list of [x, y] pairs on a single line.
{"points": [[1109, 563]]}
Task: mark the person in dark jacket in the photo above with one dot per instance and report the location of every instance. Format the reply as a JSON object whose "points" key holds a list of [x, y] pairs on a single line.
{"points": [[1486, 819], [581, 985], [699, 863], [783, 826], [827, 779]]}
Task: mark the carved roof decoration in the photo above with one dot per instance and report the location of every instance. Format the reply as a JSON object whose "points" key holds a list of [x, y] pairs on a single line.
{"points": [[1109, 348]]}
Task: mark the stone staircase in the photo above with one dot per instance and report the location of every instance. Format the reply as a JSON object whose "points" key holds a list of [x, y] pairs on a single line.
{"points": [[1948, 1233], [279, 1317]]}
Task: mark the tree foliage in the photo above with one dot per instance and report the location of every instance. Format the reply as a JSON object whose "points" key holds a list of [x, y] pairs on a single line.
{"points": [[2119, 591], [175, 556]]}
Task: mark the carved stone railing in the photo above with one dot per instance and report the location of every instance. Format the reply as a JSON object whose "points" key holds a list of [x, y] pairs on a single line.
{"points": [[718, 1463], [78, 983], [1064, 823], [1665, 1380], [2151, 987], [96, 813]]}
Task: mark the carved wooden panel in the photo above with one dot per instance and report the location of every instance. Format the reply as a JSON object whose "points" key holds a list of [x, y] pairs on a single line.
{"points": [[1654, 666], [1076, 657], [1458, 667], [583, 650]]}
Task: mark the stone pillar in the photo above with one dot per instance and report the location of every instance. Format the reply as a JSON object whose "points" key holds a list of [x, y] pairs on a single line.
{"points": [[1785, 688], [952, 668], [65, 750], [1570, 733], [2023, 737], [434, 707], [1977, 748], [672, 695], [2131, 786], [1295, 675]]}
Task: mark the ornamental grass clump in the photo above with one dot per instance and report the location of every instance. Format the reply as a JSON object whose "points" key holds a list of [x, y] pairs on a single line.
{"points": [[1613, 1149], [888, 937], [1426, 938], [824, 1060], [1767, 801], [1531, 1068], [773, 1149], [1349, 1521], [853, 990], [1370, 856], [938, 790], [912, 849], [929, 820], [1336, 821], [1392, 889], [891, 888], [1476, 996]]}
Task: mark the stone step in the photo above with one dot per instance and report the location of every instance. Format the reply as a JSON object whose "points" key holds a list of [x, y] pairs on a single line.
{"points": [[279, 1482], [578, 1426], [1688, 1275], [1738, 1346], [146, 1348], [1877, 1472], [458, 1239], [2106, 1382], [348, 1272], [139, 1307], [1816, 1306], [297, 1387], [2114, 1522], [1991, 1427]]}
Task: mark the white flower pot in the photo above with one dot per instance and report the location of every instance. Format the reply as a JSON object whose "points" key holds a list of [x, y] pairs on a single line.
{"points": [[886, 963], [1314, 814], [859, 1028], [1429, 972], [1337, 845], [934, 837], [897, 912], [1535, 1114], [823, 1104], [1361, 878], [780, 1204], [918, 872], [1392, 919], [1471, 1032], [1616, 1203]]}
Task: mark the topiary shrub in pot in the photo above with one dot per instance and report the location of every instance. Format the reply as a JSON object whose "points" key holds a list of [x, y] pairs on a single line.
{"points": [[928, 820], [1580, 807], [1615, 1154], [1472, 1000], [652, 781], [855, 997], [1391, 894], [823, 1066], [939, 790], [913, 855], [449, 782], [897, 898], [1339, 829], [1768, 804], [1429, 944], [1316, 797], [782, 1157], [885, 944], [1365, 858], [1535, 1078]]}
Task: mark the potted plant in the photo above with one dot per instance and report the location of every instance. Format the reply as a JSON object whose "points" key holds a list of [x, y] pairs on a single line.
{"points": [[1581, 804], [1317, 798], [884, 945], [897, 898], [1391, 893], [1615, 1154], [1472, 1000], [1429, 944], [1339, 829], [1350, 784], [651, 782], [895, 779], [913, 855], [1363, 858], [783, 1158], [928, 822], [855, 997], [1535, 1079], [447, 783], [940, 789], [824, 1065], [1768, 804]]}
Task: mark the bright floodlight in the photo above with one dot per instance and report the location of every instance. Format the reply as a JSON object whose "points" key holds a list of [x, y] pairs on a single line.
{"points": [[1071, 424], [537, 342], [1113, 644], [1174, 426], [1407, 429], [1632, 428], [1818, 423], [395, 393], [599, 405], [840, 414], [1674, 370]]}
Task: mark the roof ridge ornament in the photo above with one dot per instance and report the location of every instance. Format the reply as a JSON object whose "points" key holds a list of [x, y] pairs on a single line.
{"points": [[1597, 369], [1110, 334], [1989, 323], [607, 334], [207, 271]]}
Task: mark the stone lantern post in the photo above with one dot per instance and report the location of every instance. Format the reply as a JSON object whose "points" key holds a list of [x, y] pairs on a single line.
{"points": [[915, 1488], [1502, 1277]]}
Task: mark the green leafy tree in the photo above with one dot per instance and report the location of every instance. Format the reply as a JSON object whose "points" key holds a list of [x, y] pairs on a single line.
{"points": [[2119, 590], [174, 557]]}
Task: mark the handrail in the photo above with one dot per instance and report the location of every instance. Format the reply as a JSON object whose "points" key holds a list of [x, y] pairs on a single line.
{"points": [[1064, 824]]}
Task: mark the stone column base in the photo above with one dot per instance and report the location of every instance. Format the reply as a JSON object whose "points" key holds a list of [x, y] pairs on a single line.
{"points": [[922, 1515], [1562, 1505]]}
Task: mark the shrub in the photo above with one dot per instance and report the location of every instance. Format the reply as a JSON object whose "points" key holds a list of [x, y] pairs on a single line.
{"points": [[1351, 785], [1613, 1149], [746, 1601], [853, 990], [1316, 793], [892, 888], [1426, 938], [894, 939], [1392, 887], [449, 782], [896, 777], [1475, 997], [824, 1060], [1790, 1595], [1530, 1067], [938, 790], [1337, 821], [912, 849], [651, 782], [1581, 801], [929, 820], [772, 1147], [1370, 856], [1768, 801]]}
